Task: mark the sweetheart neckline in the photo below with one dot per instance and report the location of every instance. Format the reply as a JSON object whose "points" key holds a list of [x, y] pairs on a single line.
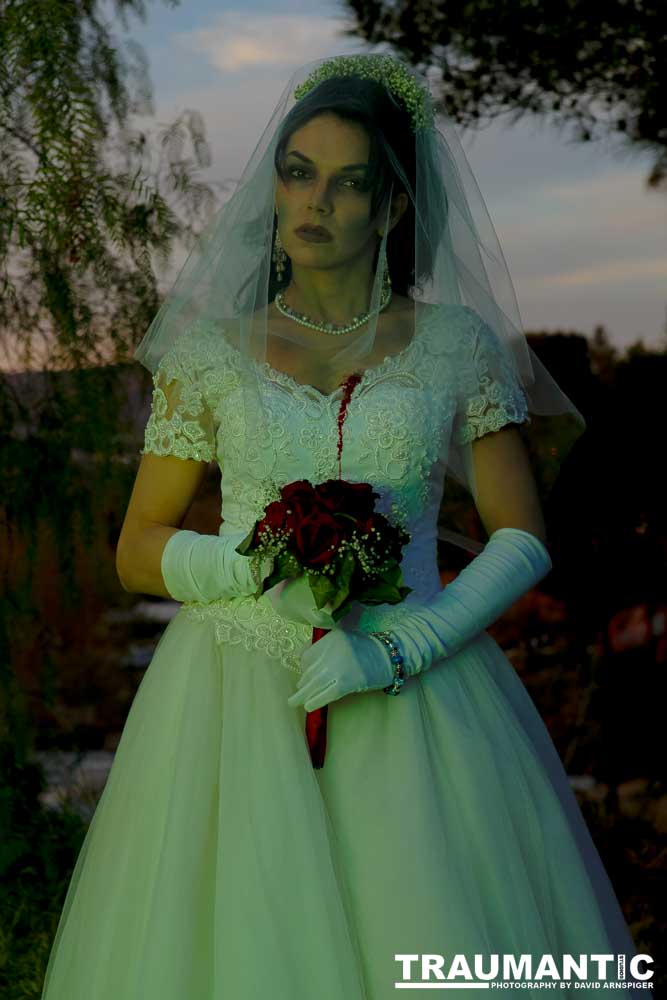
{"points": [[326, 397]]}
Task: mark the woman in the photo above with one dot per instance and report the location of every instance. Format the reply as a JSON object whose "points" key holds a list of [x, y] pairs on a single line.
{"points": [[220, 863]]}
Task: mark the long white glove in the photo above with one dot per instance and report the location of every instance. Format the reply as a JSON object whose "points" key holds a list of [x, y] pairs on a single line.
{"points": [[205, 568], [511, 563], [341, 662]]}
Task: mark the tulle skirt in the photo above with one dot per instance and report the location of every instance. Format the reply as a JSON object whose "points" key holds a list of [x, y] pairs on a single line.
{"points": [[219, 865]]}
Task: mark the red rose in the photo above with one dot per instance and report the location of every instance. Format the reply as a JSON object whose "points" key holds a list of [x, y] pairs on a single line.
{"points": [[357, 499], [299, 499], [274, 516], [316, 538], [301, 490]]}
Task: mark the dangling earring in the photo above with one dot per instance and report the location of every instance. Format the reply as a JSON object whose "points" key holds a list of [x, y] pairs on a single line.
{"points": [[279, 257], [386, 277]]}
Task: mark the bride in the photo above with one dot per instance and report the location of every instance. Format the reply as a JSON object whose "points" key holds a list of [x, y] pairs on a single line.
{"points": [[229, 858]]}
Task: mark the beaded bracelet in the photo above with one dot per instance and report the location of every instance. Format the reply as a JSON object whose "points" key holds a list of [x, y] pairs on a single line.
{"points": [[396, 660]]}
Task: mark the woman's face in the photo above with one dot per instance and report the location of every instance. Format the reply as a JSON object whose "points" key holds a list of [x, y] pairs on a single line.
{"points": [[322, 189]]}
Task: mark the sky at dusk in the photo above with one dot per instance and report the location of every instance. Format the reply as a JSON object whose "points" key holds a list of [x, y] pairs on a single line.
{"points": [[585, 240]]}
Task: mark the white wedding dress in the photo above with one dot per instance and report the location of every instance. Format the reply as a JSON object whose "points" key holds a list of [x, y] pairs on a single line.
{"points": [[219, 865]]}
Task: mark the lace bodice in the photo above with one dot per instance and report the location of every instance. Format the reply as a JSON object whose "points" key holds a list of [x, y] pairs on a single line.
{"points": [[451, 384]]}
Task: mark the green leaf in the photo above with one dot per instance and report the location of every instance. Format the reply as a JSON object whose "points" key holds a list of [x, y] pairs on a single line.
{"points": [[283, 567], [323, 589], [391, 574], [345, 574], [347, 568], [383, 593]]}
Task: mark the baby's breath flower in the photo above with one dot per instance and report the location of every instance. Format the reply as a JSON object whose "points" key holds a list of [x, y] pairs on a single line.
{"points": [[384, 69]]}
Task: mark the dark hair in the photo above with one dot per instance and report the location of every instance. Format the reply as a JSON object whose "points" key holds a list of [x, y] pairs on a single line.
{"points": [[374, 107]]}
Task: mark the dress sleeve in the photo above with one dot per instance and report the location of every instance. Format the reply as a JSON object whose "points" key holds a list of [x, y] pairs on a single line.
{"points": [[490, 394], [180, 422]]}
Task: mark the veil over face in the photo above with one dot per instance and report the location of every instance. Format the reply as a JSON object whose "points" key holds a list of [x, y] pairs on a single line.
{"points": [[407, 224], [321, 180]]}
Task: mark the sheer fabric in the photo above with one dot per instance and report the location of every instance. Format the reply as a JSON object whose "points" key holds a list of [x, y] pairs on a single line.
{"points": [[219, 864]]}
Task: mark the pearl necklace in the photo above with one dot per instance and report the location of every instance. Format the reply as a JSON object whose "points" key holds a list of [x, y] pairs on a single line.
{"points": [[298, 317]]}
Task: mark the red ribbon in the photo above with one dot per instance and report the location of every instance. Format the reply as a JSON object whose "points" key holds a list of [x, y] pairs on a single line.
{"points": [[316, 722]]}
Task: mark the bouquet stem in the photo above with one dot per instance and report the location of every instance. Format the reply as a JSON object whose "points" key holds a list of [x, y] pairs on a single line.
{"points": [[316, 722]]}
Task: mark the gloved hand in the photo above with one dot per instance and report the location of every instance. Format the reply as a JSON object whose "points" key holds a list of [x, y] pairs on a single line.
{"points": [[341, 662], [206, 568]]}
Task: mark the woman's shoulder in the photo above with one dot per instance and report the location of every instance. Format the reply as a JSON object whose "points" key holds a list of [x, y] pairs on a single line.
{"points": [[451, 312], [197, 348], [447, 327], [206, 338]]}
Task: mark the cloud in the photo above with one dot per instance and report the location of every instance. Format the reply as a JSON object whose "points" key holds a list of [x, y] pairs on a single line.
{"points": [[612, 205], [237, 41], [607, 272], [593, 232]]}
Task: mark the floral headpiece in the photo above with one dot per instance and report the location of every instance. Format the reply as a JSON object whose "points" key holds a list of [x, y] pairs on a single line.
{"points": [[384, 69]]}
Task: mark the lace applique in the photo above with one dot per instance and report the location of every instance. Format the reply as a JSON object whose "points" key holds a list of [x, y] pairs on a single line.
{"points": [[180, 422], [312, 434], [400, 434], [256, 626], [297, 433], [490, 391], [320, 440]]}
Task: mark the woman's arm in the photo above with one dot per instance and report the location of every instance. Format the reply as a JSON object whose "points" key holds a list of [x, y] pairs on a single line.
{"points": [[154, 554], [163, 491], [506, 491]]}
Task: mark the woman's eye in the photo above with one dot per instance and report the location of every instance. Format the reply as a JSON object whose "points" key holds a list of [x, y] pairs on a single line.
{"points": [[295, 171]]}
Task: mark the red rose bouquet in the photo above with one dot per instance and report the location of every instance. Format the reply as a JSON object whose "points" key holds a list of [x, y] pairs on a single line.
{"points": [[348, 552]]}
